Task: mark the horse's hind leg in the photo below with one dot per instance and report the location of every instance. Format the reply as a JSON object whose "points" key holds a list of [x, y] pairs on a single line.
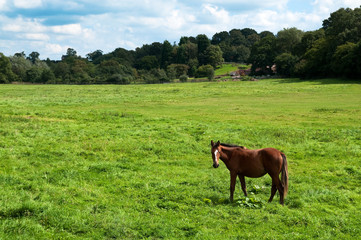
{"points": [[243, 184], [277, 185], [273, 192]]}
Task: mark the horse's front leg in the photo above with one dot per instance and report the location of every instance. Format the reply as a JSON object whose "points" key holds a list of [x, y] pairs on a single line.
{"points": [[233, 185], [243, 184]]}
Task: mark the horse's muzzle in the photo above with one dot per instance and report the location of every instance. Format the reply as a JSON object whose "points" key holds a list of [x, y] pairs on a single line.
{"points": [[215, 165]]}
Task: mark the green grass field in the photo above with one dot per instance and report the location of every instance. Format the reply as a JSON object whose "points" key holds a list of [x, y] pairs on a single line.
{"points": [[134, 162]]}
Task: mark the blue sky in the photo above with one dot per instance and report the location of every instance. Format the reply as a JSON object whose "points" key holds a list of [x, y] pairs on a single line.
{"points": [[51, 26]]}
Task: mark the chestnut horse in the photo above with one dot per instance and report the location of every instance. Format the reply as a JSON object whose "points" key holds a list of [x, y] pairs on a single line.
{"points": [[244, 162]]}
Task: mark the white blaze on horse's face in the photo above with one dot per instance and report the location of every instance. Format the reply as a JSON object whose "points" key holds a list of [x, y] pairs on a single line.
{"points": [[216, 159]]}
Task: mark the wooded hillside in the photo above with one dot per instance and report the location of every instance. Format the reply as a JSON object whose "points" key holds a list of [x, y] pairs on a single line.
{"points": [[332, 50]]}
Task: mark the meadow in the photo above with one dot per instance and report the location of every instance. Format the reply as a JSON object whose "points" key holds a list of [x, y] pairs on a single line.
{"points": [[134, 162]]}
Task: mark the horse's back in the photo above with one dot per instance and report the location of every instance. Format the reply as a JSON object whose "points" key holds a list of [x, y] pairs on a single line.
{"points": [[271, 159]]}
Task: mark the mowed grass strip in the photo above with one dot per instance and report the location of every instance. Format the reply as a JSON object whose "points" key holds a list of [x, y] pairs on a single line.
{"points": [[134, 162]]}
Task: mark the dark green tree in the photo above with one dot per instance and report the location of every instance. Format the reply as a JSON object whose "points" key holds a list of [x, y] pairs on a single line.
{"points": [[6, 74], [19, 66], [285, 64], [166, 58], [263, 54], [33, 57], [203, 43], [237, 38], [176, 70], [95, 56], [34, 75], [220, 37], [205, 71], [265, 34], [288, 39], [214, 55], [148, 63]]}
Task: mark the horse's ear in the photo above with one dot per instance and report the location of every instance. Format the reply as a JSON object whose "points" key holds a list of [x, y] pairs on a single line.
{"points": [[218, 143], [212, 143]]}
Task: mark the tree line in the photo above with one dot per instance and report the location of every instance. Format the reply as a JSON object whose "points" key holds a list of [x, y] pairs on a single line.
{"points": [[333, 50]]}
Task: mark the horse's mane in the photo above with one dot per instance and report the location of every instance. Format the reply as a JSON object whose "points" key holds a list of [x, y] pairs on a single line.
{"points": [[231, 145]]}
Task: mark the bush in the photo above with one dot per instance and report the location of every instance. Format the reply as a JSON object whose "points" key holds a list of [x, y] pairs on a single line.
{"points": [[205, 71], [285, 64], [118, 79], [183, 78]]}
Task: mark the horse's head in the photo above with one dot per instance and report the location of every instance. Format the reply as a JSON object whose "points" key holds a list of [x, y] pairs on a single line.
{"points": [[215, 150]]}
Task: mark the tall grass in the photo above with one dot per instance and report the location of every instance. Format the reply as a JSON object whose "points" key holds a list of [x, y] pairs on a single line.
{"points": [[131, 162]]}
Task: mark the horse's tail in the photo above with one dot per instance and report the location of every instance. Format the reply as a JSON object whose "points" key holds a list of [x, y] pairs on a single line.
{"points": [[284, 177]]}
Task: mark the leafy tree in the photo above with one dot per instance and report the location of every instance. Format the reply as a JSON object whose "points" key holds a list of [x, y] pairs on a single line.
{"points": [[34, 75], [248, 32], [154, 49], [176, 70], [315, 60], [109, 67], [47, 76], [153, 76], [19, 66], [6, 75], [95, 56], [122, 56], [160, 74], [263, 54], [22, 54], [119, 79], [214, 55], [343, 26], [183, 78], [228, 52], [287, 39], [356, 53], [266, 34], [62, 71], [203, 43], [70, 52], [205, 71], [193, 65], [166, 54], [70, 56], [343, 60], [148, 63], [285, 64], [241, 53], [183, 40], [252, 39], [81, 71], [220, 37], [181, 54], [237, 38], [33, 57], [308, 39]]}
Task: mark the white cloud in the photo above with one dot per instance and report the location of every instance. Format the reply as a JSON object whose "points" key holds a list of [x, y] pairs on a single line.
{"points": [[218, 14], [23, 25], [27, 3], [325, 7], [352, 3], [71, 29], [35, 36], [3, 5], [277, 5], [52, 48], [50, 27]]}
